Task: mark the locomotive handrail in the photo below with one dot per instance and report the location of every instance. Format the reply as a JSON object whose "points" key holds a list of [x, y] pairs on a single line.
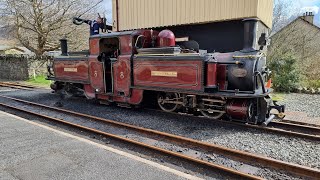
{"points": [[137, 41], [241, 63], [49, 67], [249, 56], [261, 81], [246, 56]]}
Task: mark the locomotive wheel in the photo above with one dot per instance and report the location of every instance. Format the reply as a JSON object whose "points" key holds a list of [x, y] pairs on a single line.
{"points": [[212, 114], [167, 106], [212, 108]]}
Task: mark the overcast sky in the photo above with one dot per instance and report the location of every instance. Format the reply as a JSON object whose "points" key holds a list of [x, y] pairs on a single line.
{"points": [[304, 5], [311, 5]]}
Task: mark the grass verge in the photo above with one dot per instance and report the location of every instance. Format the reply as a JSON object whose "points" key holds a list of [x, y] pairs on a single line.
{"points": [[39, 81], [278, 96]]}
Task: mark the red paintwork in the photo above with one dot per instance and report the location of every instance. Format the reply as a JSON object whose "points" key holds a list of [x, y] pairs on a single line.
{"points": [[89, 91], [147, 37], [103, 97], [211, 74], [80, 76], [221, 76], [238, 109], [222, 70], [176, 74], [166, 38], [121, 99], [96, 74], [189, 74], [94, 46], [121, 75], [136, 96], [125, 45]]}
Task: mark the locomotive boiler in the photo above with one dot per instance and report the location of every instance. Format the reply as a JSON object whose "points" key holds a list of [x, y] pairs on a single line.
{"points": [[132, 67]]}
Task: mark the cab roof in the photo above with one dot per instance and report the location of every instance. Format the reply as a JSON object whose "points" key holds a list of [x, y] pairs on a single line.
{"points": [[111, 34]]}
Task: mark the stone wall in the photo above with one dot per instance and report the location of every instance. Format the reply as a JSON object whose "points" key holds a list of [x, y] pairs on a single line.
{"points": [[17, 67], [14, 68], [38, 65]]}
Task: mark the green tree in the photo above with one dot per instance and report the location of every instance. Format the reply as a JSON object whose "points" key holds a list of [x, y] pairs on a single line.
{"points": [[285, 74]]}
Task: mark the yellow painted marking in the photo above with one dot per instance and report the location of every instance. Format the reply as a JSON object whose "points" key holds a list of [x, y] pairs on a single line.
{"points": [[164, 73], [70, 70]]}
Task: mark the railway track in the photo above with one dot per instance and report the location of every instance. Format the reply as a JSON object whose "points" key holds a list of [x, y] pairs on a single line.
{"points": [[182, 142], [299, 128], [299, 123], [17, 86], [305, 130], [290, 128]]}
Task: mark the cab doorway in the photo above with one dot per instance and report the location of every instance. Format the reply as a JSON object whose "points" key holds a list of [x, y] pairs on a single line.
{"points": [[109, 52]]}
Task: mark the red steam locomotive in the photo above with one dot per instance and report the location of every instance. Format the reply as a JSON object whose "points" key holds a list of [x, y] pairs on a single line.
{"points": [[130, 67]]}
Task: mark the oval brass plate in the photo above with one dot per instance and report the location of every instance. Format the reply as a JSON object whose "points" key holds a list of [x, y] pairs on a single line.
{"points": [[239, 72]]}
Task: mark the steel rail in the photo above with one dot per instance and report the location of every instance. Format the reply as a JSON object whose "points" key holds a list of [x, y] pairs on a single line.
{"points": [[20, 85], [310, 129], [14, 86], [287, 132], [274, 130], [160, 150], [299, 123], [233, 153]]}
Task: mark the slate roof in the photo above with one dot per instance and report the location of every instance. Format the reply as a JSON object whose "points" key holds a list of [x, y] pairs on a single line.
{"points": [[298, 18]]}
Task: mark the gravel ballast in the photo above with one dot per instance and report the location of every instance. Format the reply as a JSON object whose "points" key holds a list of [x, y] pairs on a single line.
{"points": [[309, 103], [295, 150]]}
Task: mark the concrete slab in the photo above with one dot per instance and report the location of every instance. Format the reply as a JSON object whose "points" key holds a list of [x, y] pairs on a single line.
{"points": [[30, 150]]}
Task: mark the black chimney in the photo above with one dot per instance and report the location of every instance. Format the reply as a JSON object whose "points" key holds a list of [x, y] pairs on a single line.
{"points": [[250, 28], [64, 47]]}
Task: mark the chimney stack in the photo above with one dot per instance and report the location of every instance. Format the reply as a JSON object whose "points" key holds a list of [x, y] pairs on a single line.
{"points": [[250, 34], [308, 16]]}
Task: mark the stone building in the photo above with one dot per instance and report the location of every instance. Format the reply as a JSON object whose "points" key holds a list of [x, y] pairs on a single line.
{"points": [[302, 39]]}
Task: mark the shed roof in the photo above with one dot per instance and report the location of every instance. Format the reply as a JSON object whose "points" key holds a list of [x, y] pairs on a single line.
{"points": [[111, 34]]}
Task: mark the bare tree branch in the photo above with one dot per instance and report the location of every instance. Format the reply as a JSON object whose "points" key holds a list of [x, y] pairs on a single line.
{"points": [[284, 11], [39, 24]]}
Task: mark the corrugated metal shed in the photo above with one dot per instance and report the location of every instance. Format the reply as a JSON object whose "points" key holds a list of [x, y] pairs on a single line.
{"points": [[136, 14]]}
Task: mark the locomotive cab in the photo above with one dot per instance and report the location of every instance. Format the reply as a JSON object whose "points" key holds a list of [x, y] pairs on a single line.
{"points": [[108, 53]]}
